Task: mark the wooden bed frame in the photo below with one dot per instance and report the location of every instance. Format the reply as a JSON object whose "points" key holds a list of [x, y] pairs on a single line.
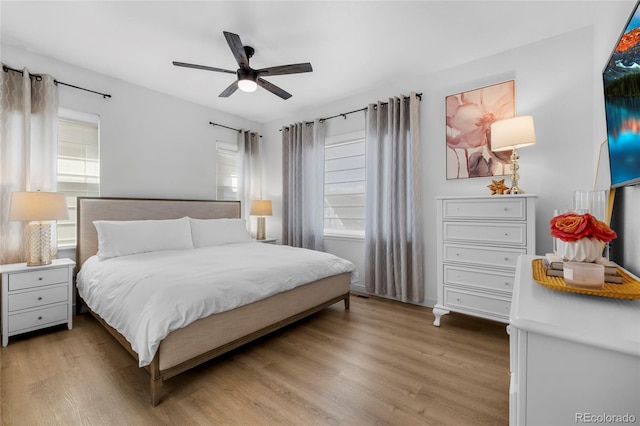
{"points": [[208, 337]]}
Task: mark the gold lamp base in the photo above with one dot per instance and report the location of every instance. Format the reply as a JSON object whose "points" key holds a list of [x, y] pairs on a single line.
{"points": [[38, 236]]}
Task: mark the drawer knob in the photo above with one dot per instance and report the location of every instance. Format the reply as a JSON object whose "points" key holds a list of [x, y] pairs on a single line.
{"points": [[39, 318], [506, 259], [40, 298], [457, 299], [39, 278], [507, 284]]}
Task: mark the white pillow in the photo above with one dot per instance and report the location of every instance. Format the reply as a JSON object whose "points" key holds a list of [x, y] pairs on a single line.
{"points": [[216, 232], [121, 238]]}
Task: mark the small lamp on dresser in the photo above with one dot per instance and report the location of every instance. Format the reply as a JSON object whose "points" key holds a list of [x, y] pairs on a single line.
{"points": [[510, 134], [38, 208], [261, 208]]}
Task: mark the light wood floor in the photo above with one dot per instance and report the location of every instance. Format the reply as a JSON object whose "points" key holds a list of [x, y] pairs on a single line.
{"points": [[382, 362]]}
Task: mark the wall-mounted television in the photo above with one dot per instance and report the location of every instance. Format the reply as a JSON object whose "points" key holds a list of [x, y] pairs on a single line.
{"points": [[621, 78]]}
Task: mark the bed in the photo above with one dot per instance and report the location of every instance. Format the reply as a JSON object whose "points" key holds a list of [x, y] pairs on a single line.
{"points": [[216, 330]]}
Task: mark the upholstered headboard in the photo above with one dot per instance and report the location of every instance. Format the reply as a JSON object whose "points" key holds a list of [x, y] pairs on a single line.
{"points": [[97, 208]]}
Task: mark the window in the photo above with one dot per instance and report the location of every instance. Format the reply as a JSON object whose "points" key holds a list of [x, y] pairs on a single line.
{"points": [[226, 171], [344, 185], [78, 165]]}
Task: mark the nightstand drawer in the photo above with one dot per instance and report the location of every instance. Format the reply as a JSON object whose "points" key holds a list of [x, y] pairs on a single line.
{"points": [[483, 279], [486, 232], [506, 209], [38, 278], [38, 318], [484, 256], [476, 302], [32, 299]]}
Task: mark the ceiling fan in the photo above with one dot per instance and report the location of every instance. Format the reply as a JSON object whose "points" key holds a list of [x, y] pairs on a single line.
{"points": [[248, 78]]}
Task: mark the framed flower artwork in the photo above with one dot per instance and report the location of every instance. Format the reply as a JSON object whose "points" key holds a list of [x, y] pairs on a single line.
{"points": [[468, 119]]}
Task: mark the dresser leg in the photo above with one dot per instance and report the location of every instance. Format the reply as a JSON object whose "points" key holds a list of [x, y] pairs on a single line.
{"points": [[437, 313]]}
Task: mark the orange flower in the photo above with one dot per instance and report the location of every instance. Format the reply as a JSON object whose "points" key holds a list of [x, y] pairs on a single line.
{"points": [[573, 226], [601, 230]]}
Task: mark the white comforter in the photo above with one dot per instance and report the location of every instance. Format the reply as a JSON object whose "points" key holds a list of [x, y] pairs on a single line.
{"points": [[146, 296]]}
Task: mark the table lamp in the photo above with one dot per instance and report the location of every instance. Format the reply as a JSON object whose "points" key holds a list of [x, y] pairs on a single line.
{"points": [[261, 208], [509, 134], [36, 208]]}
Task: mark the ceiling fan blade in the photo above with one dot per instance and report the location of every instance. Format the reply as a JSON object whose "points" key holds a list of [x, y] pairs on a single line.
{"points": [[229, 90], [286, 69], [273, 88], [237, 49], [201, 67]]}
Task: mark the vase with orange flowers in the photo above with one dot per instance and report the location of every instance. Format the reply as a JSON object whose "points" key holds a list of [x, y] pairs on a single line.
{"points": [[581, 237]]}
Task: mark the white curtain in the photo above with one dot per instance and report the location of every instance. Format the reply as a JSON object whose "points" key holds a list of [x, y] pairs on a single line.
{"points": [[249, 173], [303, 185], [393, 234], [28, 149]]}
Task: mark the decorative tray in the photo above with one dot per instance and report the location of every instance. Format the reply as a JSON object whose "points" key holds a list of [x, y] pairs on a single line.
{"points": [[629, 289]]}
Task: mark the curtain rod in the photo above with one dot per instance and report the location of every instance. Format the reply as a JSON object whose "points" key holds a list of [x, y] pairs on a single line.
{"points": [[227, 127], [39, 77], [344, 114]]}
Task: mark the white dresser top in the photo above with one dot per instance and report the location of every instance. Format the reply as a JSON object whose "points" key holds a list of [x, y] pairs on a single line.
{"points": [[496, 197], [608, 323]]}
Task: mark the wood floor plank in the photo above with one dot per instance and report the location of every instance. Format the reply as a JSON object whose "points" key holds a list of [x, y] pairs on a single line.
{"points": [[382, 362]]}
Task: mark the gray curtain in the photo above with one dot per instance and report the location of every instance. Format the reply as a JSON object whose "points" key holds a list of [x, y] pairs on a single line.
{"points": [[250, 173], [303, 185], [28, 150], [393, 234]]}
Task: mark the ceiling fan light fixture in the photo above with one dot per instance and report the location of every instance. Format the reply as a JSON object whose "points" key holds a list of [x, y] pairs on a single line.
{"points": [[247, 80], [247, 85]]}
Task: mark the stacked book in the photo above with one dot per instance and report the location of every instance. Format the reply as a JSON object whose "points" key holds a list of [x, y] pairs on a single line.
{"points": [[553, 266]]}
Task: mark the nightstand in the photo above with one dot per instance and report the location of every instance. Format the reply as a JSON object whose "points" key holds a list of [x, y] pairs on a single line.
{"points": [[268, 241], [35, 297]]}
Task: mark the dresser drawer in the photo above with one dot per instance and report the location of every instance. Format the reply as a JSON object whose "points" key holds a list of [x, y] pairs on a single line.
{"points": [[483, 255], [38, 278], [486, 232], [484, 279], [38, 318], [455, 298], [506, 209], [40, 297]]}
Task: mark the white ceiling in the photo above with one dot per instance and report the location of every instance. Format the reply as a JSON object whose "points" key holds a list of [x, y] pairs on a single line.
{"points": [[352, 46]]}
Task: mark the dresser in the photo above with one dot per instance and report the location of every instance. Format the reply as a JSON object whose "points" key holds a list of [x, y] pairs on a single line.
{"points": [[574, 358], [479, 240], [36, 297]]}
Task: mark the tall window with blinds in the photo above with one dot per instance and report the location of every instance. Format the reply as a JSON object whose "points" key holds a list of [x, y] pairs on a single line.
{"points": [[78, 166], [344, 185], [226, 171]]}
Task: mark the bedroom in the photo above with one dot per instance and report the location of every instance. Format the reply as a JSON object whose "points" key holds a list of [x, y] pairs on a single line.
{"points": [[566, 103]]}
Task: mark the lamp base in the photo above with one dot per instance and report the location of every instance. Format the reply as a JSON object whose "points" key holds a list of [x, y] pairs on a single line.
{"points": [[38, 237], [515, 189], [261, 233]]}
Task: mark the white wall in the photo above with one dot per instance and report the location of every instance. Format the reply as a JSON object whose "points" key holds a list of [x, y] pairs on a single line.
{"points": [[558, 81], [151, 144]]}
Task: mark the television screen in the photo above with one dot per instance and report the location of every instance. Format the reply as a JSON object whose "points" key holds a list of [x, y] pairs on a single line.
{"points": [[621, 78]]}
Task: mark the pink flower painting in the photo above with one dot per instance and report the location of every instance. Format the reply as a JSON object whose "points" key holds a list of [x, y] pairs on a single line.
{"points": [[469, 118]]}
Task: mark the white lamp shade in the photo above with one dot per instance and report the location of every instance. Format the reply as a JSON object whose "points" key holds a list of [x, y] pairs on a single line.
{"points": [[260, 208], [516, 132], [37, 206]]}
